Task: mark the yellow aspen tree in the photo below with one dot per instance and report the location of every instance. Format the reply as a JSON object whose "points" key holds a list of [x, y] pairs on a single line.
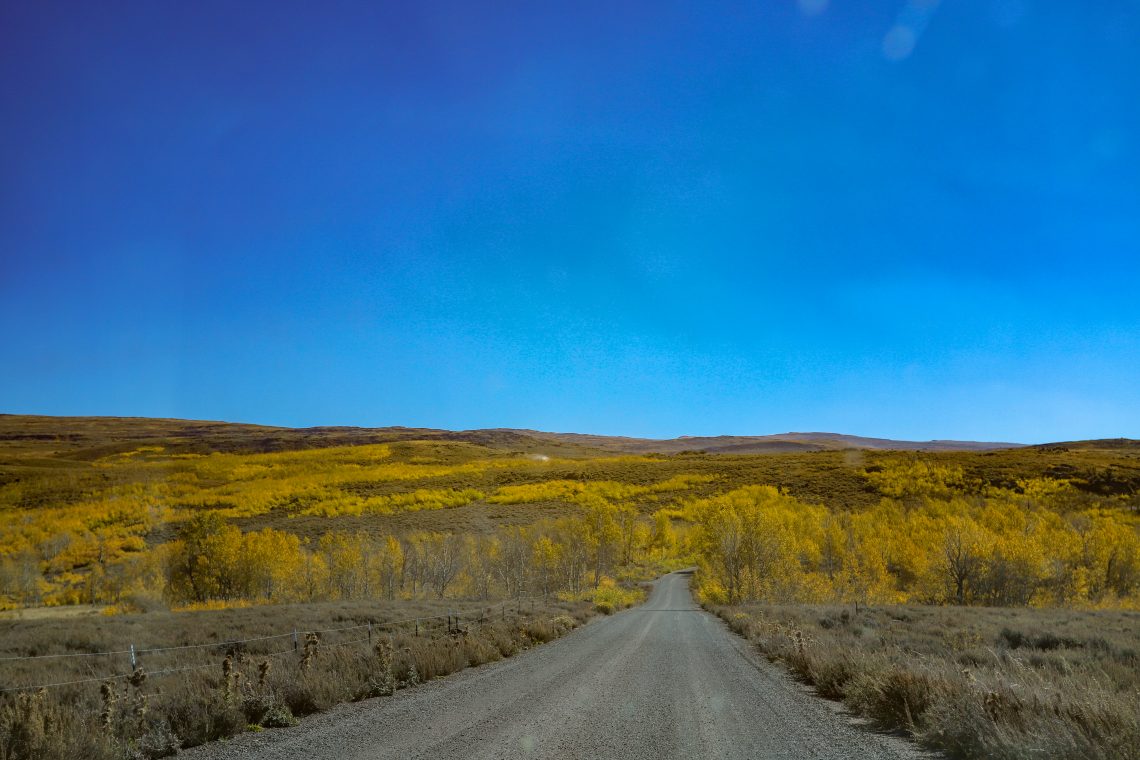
{"points": [[547, 556]]}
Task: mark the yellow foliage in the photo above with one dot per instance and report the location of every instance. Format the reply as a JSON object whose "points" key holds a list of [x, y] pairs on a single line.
{"points": [[131, 529], [581, 492], [917, 478], [1005, 549], [607, 597]]}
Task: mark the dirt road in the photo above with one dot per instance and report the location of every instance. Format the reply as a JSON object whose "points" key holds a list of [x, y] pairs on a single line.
{"points": [[665, 680]]}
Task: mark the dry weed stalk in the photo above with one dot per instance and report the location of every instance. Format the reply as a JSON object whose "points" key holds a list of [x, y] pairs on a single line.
{"points": [[312, 642]]}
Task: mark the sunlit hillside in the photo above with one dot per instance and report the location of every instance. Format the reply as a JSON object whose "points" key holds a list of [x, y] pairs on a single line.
{"points": [[144, 514]]}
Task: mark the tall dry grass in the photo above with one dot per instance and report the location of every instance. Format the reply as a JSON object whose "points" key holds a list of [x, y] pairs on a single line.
{"points": [[973, 682], [185, 697]]}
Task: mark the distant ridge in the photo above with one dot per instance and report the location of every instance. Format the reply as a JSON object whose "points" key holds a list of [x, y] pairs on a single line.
{"points": [[107, 434], [761, 444]]}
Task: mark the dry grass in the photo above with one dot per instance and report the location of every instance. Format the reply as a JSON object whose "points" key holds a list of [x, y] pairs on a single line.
{"points": [[1012, 684], [227, 688]]}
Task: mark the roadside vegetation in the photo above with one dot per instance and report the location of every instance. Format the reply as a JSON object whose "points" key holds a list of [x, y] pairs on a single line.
{"points": [[932, 538], [201, 676], [1009, 684]]}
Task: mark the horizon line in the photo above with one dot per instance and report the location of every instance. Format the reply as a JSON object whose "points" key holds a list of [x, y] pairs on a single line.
{"points": [[995, 442]]}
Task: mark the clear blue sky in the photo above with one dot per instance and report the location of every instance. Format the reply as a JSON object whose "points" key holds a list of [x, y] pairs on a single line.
{"points": [[647, 218]]}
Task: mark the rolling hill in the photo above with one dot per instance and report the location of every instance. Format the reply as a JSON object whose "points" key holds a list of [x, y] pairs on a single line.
{"points": [[760, 444], [100, 436]]}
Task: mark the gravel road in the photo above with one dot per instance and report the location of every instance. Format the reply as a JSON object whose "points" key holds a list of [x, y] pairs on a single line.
{"points": [[664, 680]]}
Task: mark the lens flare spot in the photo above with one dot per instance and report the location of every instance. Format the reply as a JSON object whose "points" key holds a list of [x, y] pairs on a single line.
{"points": [[812, 7], [898, 43]]}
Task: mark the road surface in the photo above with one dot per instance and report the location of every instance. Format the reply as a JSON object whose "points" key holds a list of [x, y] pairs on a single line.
{"points": [[664, 680]]}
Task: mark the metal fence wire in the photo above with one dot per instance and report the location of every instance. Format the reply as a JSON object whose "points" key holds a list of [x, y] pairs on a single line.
{"points": [[453, 618]]}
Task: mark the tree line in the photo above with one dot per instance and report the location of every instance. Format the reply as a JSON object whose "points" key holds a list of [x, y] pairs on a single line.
{"points": [[924, 543], [213, 561]]}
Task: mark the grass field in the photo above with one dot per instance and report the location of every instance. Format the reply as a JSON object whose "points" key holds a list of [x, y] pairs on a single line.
{"points": [[199, 676], [1013, 684]]}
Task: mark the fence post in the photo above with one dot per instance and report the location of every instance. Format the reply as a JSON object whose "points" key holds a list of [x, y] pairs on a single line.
{"points": [[369, 633], [296, 644], [133, 661]]}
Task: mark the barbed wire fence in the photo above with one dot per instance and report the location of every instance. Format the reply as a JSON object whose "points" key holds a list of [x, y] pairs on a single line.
{"points": [[455, 619]]}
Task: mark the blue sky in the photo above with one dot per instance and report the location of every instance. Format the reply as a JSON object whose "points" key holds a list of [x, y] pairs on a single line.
{"points": [[914, 220]]}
